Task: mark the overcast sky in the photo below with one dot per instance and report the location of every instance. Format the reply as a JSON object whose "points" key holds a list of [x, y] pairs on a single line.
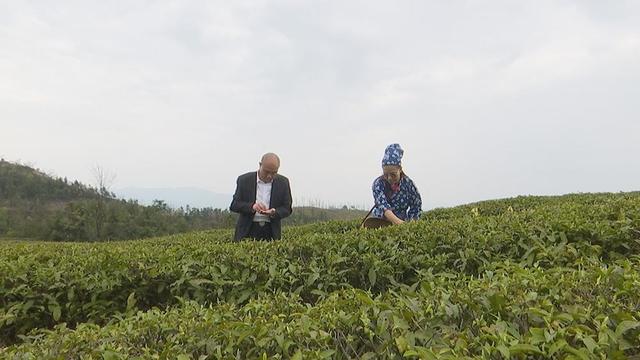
{"points": [[489, 99]]}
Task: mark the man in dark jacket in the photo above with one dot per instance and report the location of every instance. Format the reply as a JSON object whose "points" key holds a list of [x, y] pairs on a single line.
{"points": [[262, 199]]}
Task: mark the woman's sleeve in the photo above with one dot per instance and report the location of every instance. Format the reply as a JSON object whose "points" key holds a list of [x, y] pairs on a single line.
{"points": [[379, 197], [415, 202]]}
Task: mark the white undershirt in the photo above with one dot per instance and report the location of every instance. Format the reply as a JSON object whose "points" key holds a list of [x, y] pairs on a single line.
{"points": [[263, 195]]}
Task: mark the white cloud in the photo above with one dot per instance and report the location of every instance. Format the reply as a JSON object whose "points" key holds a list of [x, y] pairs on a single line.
{"points": [[489, 98]]}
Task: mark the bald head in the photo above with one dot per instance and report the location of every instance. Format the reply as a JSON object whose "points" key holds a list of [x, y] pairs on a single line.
{"points": [[270, 158], [269, 165]]}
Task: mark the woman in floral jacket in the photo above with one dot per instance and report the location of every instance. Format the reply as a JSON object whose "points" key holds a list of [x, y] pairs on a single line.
{"points": [[396, 197]]}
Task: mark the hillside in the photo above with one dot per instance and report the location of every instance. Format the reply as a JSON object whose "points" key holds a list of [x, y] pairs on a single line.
{"points": [[35, 205], [529, 277], [20, 182]]}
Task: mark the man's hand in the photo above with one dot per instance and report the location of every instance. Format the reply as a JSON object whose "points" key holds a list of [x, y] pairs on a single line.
{"points": [[271, 212], [259, 208]]}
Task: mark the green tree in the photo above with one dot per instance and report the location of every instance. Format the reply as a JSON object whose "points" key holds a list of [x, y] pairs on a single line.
{"points": [[4, 221]]}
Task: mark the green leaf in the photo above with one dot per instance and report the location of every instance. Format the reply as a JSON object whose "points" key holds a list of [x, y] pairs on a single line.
{"points": [[368, 356], [312, 278], [624, 345], [372, 276], [537, 335], [565, 317], [27, 306], [540, 312], [497, 302], [589, 343], [402, 344], [55, 311], [327, 354], [625, 326], [131, 301], [524, 349], [579, 353], [410, 353], [71, 294], [531, 296], [197, 283], [110, 355], [363, 297], [557, 346], [504, 351], [400, 323]]}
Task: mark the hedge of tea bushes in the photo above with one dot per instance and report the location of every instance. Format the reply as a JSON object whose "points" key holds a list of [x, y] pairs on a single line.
{"points": [[45, 284], [506, 312]]}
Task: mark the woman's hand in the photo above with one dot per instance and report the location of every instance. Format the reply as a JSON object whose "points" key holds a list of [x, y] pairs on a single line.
{"points": [[392, 217]]}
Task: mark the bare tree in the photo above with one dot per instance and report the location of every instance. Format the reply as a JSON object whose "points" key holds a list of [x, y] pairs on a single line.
{"points": [[104, 180]]}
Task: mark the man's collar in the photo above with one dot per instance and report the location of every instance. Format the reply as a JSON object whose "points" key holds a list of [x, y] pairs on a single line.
{"points": [[260, 181]]}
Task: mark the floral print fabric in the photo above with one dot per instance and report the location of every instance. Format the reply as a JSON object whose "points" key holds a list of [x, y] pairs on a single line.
{"points": [[392, 155], [405, 203]]}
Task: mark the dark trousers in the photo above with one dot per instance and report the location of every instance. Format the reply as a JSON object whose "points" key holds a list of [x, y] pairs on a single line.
{"points": [[261, 232]]}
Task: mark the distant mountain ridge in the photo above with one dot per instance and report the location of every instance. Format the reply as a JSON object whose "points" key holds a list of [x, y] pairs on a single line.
{"points": [[177, 197]]}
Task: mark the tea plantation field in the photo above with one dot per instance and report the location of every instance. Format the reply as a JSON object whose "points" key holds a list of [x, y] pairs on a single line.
{"points": [[524, 278]]}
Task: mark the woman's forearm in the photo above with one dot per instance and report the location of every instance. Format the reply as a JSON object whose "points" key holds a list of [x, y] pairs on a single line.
{"points": [[392, 217]]}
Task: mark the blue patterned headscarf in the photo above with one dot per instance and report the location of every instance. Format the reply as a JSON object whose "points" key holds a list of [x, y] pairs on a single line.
{"points": [[392, 155]]}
